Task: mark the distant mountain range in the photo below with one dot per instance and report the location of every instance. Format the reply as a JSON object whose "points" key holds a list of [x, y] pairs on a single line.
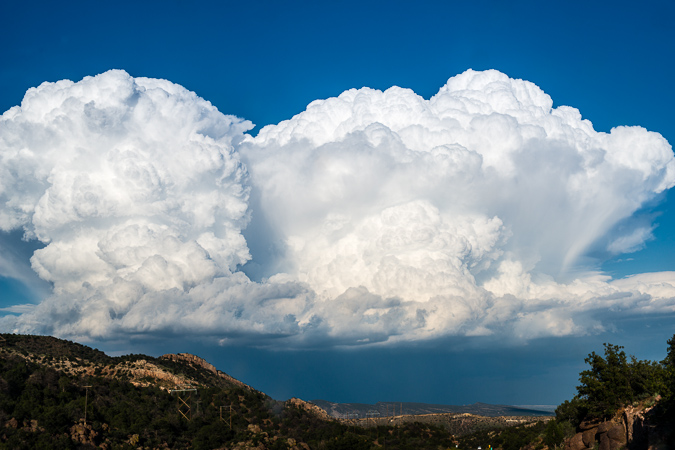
{"points": [[382, 409]]}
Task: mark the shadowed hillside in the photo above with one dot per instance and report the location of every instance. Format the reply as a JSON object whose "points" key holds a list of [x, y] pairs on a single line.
{"points": [[58, 394]]}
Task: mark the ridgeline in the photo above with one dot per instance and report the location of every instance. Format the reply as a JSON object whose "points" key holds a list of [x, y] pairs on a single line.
{"points": [[57, 394], [63, 395]]}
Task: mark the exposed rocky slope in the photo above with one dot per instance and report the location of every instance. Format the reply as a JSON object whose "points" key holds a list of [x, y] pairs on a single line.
{"points": [[310, 407], [166, 372], [631, 427]]}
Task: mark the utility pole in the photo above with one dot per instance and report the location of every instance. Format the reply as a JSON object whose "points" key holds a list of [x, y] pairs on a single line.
{"points": [[371, 415], [352, 420], [184, 408], [86, 398], [221, 413]]}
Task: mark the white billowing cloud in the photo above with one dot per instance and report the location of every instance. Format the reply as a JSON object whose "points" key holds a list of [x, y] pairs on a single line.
{"points": [[372, 217], [407, 251], [454, 205], [132, 184], [536, 182]]}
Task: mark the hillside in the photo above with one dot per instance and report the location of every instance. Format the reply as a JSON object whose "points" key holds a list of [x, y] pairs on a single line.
{"points": [[384, 409], [60, 394], [73, 359], [56, 394]]}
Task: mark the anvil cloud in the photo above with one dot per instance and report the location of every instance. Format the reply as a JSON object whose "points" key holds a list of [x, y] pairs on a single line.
{"points": [[372, 217]]}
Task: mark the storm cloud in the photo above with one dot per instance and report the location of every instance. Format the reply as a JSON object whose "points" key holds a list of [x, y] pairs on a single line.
{"points": [[371, 217]]}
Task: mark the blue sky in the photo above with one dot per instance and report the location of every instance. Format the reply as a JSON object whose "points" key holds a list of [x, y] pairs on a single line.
{"points": [[265, 62]]}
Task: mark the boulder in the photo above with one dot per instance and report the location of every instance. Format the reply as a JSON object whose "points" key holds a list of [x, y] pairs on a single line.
{"points": [[604, 427], [617, 433], [575, 443], [613, 436], [588, 437]]}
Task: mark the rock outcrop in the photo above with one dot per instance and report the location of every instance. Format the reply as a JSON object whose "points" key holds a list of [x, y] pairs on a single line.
{"points": [[191, 359], [630, 428], [140, 372], [83, 433], [310, 407], [201, 363]]}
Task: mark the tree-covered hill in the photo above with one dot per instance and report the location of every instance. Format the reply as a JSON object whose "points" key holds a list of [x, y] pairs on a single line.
{"points": [[57, 394]]}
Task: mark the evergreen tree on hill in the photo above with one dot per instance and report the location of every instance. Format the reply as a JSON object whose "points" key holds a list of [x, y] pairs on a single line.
{"points": [[606, 385], [614, 381]]}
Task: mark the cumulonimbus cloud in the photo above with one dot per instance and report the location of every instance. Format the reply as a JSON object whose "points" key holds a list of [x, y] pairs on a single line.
{"points": [[370, 217]]}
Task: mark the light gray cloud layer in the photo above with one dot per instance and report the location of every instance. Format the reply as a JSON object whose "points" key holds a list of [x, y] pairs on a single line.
{"points": [[378, 216]]}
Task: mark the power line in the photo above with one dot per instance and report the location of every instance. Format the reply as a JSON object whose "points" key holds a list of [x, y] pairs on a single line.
{"points": [[230, 413], [184, 396]]}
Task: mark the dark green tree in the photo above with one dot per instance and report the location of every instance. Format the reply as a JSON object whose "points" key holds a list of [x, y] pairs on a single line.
{"points": [[572, 411], [646, 378], [606, 385], [668, 401], [669, 370], [555, 434]]}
